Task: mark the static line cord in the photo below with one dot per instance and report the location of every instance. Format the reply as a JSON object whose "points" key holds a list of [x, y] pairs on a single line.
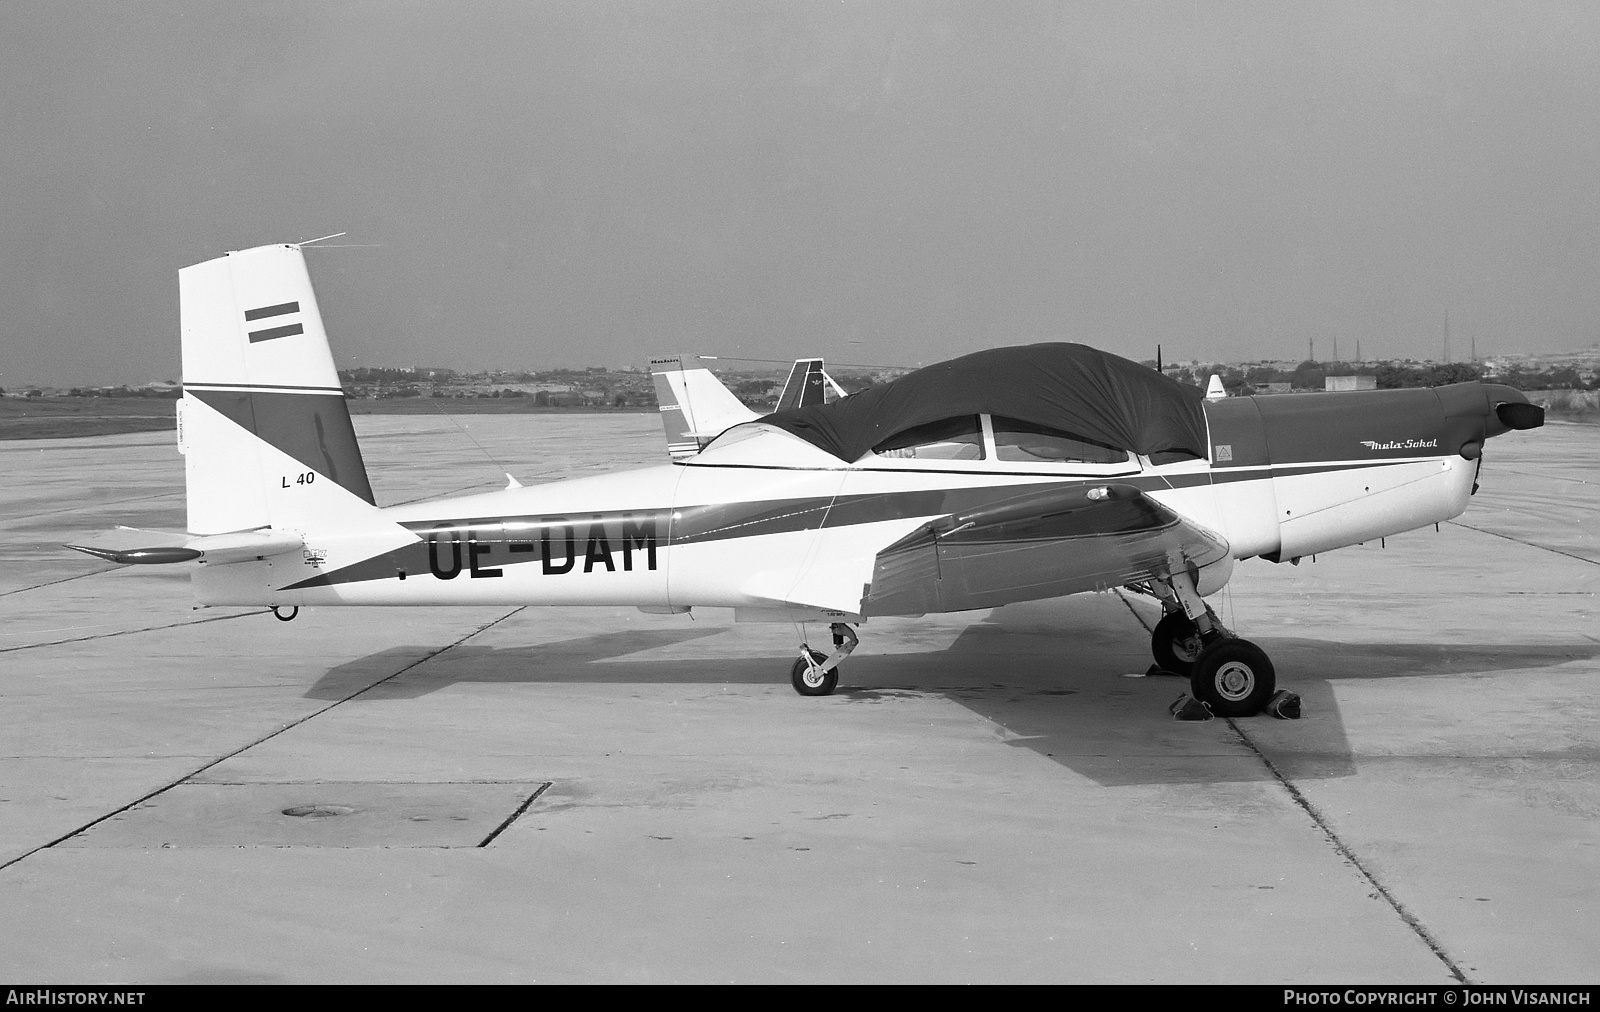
{"points": [[780, 361], [319, 243], [497, 465], [320, 238]]}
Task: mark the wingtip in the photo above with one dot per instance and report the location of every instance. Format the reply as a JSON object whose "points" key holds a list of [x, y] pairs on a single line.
{"points": [[99, 553]]}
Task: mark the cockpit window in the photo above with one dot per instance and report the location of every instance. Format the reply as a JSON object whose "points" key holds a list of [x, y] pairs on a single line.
{"points": [[1025, 441], [959, 438]]}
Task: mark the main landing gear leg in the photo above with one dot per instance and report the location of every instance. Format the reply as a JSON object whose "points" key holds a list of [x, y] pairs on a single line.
{"points": [[1230, 675], [815, 675]]}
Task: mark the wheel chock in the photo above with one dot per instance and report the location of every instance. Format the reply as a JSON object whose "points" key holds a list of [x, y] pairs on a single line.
{"points": [[1284, 705], [1186, 707]]}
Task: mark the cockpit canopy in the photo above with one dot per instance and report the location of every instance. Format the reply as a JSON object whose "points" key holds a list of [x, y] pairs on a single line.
{"points": [[1064, 402], [961, 438]]}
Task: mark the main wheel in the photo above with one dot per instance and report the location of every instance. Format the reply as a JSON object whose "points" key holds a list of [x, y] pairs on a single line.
{"points": [[1175, 643], [805, 679], [1233, 677]]}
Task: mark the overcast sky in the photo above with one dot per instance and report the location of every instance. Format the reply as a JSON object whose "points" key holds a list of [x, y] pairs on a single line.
{"points": [[592, 183]]}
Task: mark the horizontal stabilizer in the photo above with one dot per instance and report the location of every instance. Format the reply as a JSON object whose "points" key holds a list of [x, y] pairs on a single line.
{"points": [[216, 549], [140, 556], [245, 545]]}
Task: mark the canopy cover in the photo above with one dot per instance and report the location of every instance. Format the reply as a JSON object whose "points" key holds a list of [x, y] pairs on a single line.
{"points": [[1072, 387]]}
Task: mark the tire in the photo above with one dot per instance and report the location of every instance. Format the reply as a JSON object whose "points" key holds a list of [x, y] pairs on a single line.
{"points": [[807, 686], [1234, 678], [1175, 643]]}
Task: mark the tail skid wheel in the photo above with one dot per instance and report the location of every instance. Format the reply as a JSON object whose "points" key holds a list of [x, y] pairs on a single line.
{"points": [[1175, 643], [1233, 677], [808, 680]]}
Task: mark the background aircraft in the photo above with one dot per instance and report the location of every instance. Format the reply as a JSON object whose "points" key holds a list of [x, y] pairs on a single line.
{"points": [[1006, 475], [696, 408]]}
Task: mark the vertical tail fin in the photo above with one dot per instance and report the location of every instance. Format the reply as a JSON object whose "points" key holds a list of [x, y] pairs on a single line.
{"points": [[805, 385], [695, 406], [263, 422]]}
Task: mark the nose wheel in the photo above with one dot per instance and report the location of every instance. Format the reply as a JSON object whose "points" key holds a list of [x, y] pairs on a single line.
{"points": [[812, 674], [808, 677]]}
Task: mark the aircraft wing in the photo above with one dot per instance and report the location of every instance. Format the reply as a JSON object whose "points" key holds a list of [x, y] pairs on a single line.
{"points": [[1042, 544]]}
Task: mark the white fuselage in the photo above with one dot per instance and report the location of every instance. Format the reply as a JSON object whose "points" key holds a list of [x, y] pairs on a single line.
{"points": [[746, 525]]}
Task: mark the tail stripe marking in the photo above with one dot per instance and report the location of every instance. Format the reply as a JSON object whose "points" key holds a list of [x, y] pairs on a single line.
{"points": [[282, 309], [314, 429], [276, 332]]}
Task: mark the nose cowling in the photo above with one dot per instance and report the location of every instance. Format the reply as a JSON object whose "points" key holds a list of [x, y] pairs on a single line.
{"points": [[1509, 409], [1500, 407]]}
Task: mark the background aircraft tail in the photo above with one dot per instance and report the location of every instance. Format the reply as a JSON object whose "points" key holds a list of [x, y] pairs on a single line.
{"points": [[695, 406], [807, 384], [263, 423]]}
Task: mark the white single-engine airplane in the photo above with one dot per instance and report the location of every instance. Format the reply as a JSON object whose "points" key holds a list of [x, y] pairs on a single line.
{"points": [[1006, 475]]}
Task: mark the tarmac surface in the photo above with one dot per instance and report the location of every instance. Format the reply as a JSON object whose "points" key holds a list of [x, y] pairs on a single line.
{"points": [[594, 794]]}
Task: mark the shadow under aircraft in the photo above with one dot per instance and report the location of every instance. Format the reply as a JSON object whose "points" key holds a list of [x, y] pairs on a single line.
{"points": [[1050, 673]]}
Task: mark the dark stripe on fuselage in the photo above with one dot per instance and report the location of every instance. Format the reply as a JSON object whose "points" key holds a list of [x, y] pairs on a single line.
{"points": [[474, 545]]}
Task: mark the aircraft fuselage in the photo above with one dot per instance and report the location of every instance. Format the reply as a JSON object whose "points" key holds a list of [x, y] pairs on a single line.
{"points": [[769, 524]]}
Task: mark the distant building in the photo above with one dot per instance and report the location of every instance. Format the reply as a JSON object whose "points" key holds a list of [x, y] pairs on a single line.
{"points": [[1350, 382], [1274, 388]]}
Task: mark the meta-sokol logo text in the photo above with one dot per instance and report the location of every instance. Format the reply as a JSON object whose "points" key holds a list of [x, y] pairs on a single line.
{"points": [[1402, 444]]}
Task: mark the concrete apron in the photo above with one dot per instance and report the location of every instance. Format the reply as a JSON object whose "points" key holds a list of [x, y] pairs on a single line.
{"points": [[987, 798]]}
